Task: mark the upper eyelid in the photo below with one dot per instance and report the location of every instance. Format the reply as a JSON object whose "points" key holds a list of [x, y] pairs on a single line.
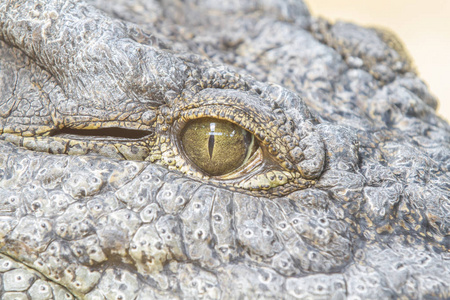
{"points": [[222, 112]]}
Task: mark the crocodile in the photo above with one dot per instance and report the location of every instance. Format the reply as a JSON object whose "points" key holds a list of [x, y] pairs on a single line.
{"points": [[205, 149]]}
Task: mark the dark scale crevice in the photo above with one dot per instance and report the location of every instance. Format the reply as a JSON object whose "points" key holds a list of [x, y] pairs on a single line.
{"points": [[103, 133]]}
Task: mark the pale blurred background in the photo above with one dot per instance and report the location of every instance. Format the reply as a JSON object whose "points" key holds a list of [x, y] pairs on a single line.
{"points": [[422, 25]]}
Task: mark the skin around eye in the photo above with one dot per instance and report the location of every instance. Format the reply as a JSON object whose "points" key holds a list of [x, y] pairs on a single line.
{"points": [[217, 147]]}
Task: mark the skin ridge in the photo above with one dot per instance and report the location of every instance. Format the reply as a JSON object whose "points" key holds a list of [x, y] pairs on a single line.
{"points": [[355, 203]]}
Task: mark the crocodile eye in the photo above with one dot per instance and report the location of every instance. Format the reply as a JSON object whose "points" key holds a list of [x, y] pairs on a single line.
{"points": [[217, 147]]}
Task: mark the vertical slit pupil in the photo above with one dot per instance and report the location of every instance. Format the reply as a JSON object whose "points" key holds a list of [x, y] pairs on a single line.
{"points": [[212, 128], [211, 146]]}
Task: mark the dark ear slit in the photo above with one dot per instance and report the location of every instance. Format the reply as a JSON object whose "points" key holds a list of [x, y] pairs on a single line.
{"points": [[103, 133]]}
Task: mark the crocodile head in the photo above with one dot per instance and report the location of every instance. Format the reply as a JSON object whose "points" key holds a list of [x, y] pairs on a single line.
{"points": [[147, 152]]}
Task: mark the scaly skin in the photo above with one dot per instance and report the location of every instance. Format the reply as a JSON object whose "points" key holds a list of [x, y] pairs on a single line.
{"points": [[351, 198]]}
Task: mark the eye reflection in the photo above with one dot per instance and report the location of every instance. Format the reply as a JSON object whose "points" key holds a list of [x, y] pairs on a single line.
{"points": [[217, 147]]}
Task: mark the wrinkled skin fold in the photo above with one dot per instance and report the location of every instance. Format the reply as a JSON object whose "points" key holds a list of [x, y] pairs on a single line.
{"points": [[98, 200]]}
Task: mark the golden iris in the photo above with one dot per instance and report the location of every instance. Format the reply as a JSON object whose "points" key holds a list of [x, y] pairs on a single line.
{"points": [[217, 147]]}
